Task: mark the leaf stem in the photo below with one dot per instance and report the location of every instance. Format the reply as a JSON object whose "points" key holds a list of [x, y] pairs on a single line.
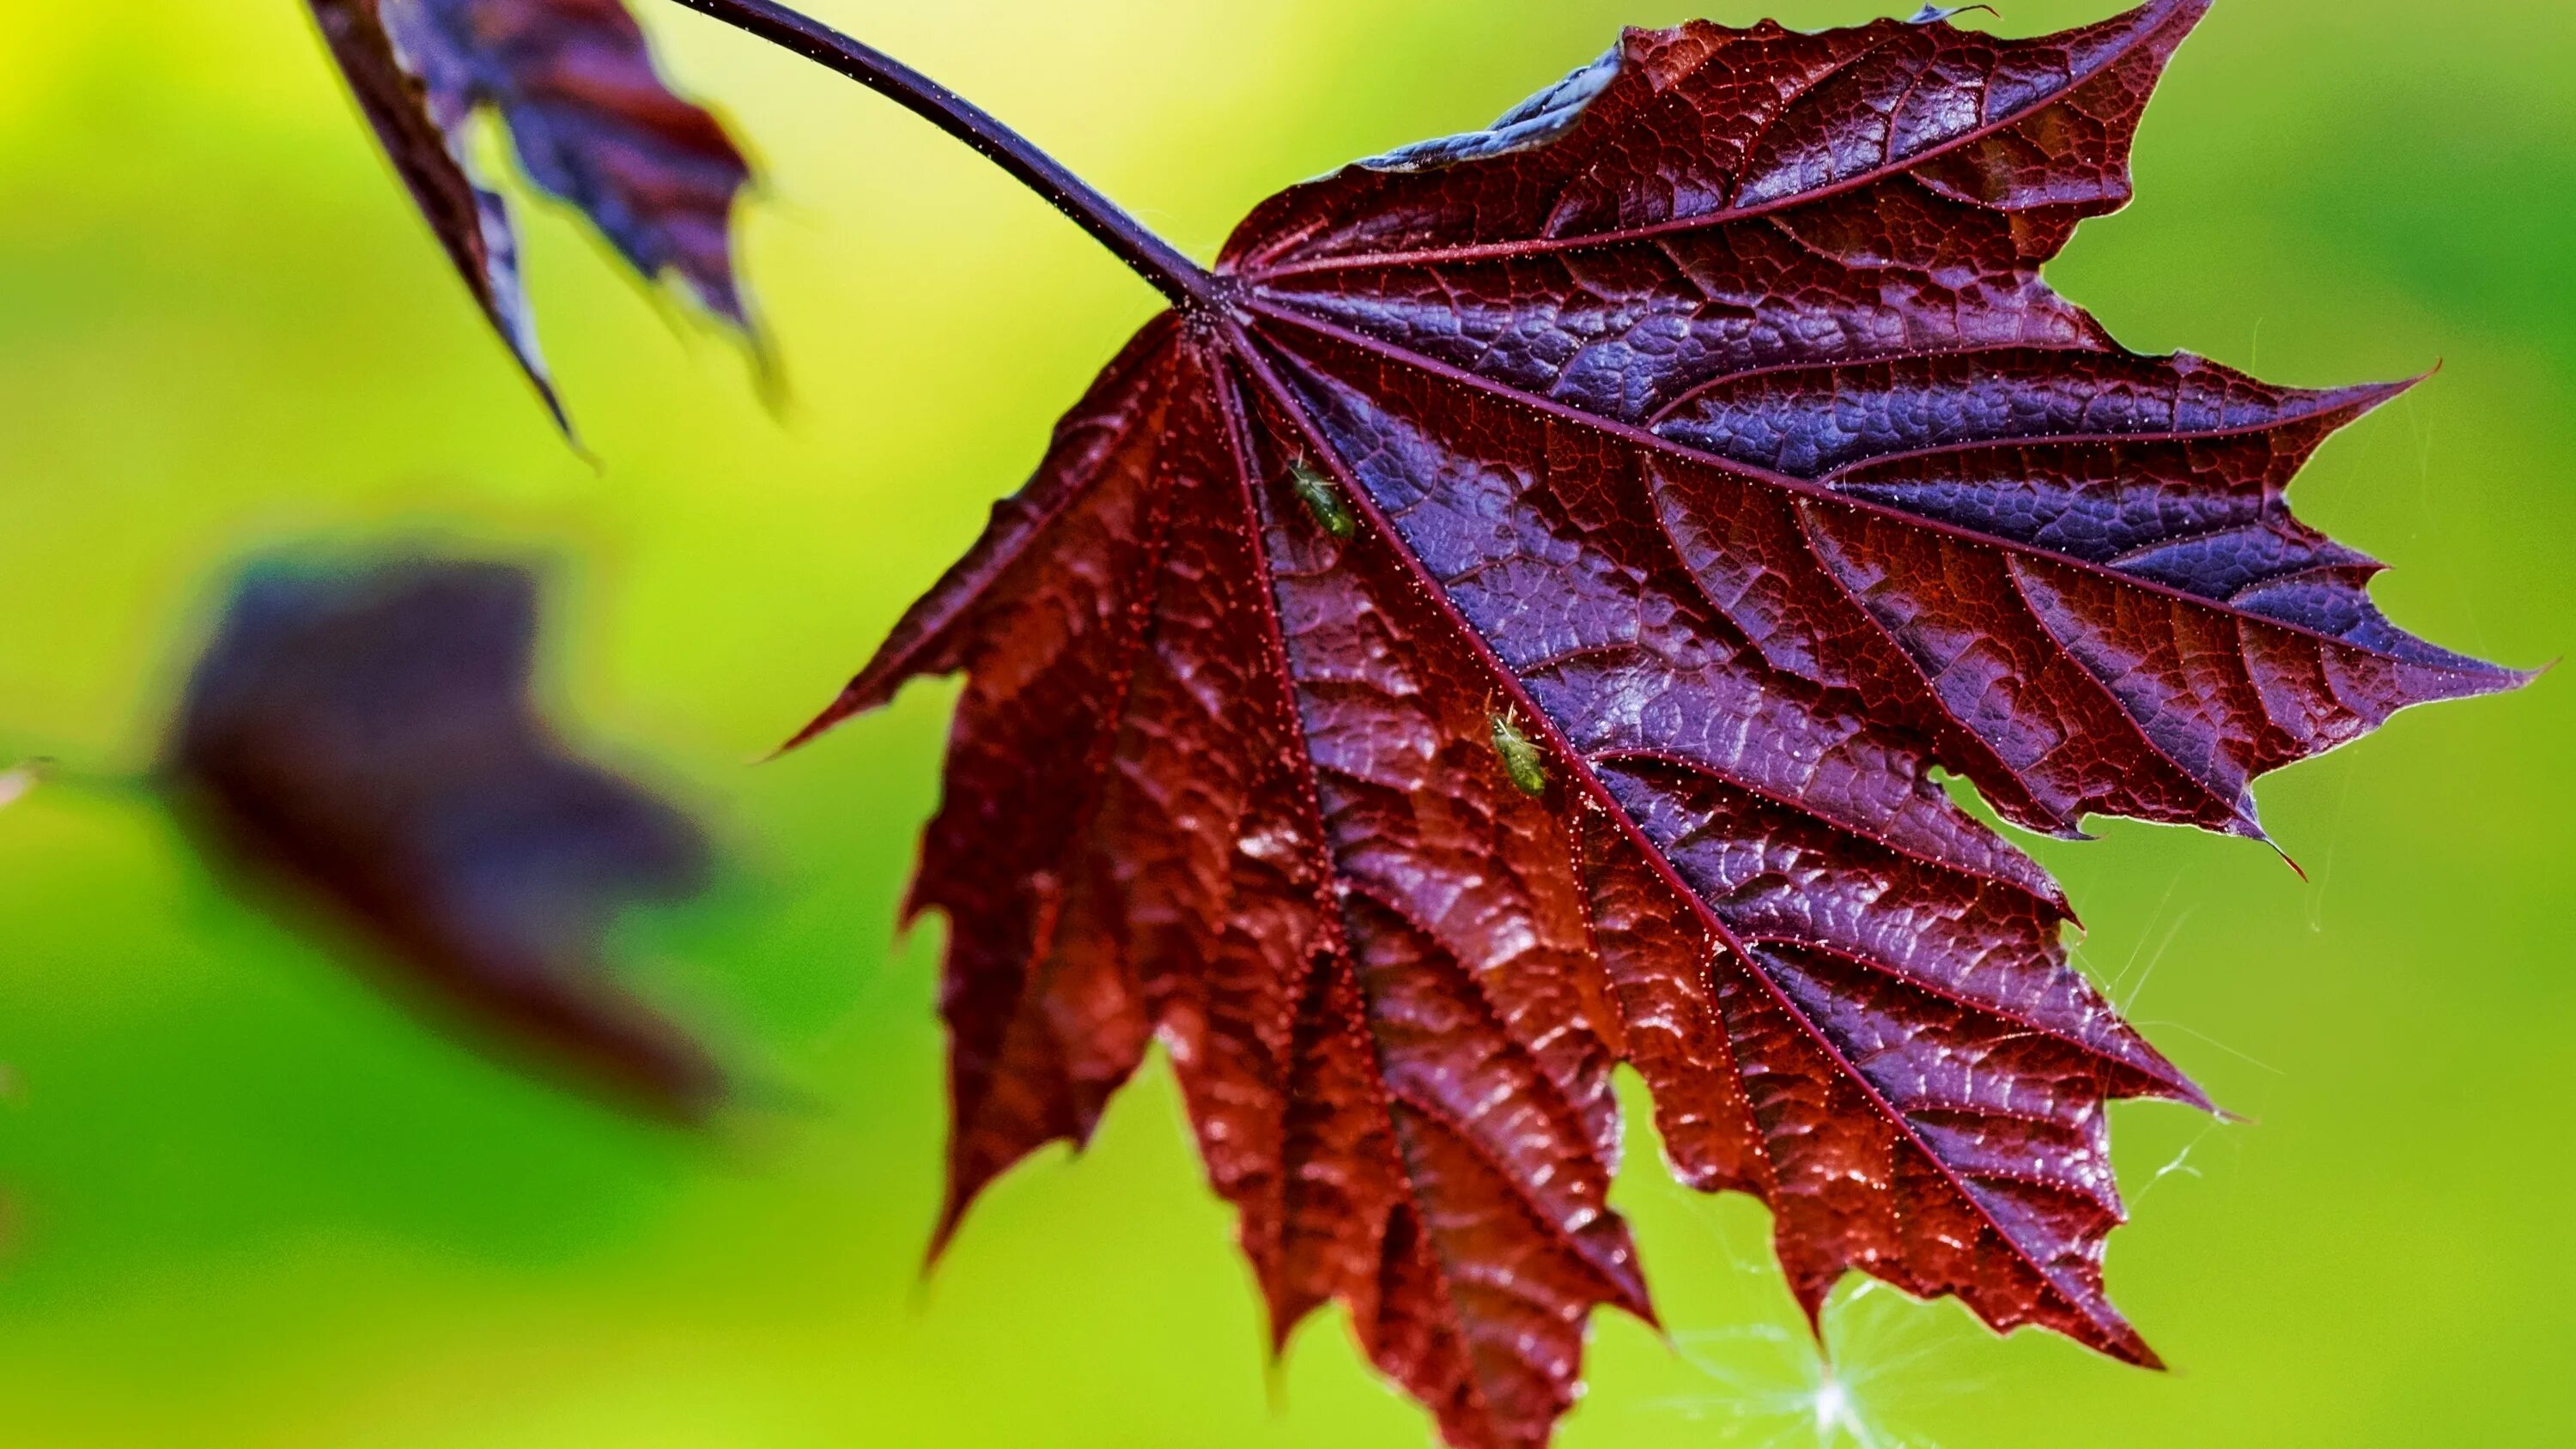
{"points": [[24, 772], [1188, 285]]}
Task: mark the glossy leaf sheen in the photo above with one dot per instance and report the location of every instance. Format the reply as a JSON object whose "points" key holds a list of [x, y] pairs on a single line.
{"points": [[1707, 421], [573, 82], [365, 741]]}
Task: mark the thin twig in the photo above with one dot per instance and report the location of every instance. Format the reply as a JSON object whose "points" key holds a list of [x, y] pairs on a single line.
{"points": [[1185, 282]]}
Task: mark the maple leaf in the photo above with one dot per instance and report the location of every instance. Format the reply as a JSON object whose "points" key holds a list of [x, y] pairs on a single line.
{"points": [[1505, 623], [1508, 619], [363, 741], [573, 80]]}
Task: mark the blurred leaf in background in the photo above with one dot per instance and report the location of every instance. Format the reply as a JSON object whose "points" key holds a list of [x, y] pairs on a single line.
{"points": [[220, 327], [359, 743]]}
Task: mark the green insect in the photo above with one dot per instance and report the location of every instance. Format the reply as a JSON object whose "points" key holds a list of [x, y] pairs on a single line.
{"points": [[1322, 497], [1522, 759]]}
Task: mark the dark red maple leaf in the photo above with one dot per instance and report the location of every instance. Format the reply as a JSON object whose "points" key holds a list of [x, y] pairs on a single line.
{"points": [[363, 741], [1506, 620], [573, 80], [1707, 420]]}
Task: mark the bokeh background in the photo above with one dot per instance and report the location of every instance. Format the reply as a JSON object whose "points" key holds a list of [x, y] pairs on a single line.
{"points": [[251, 1204]]}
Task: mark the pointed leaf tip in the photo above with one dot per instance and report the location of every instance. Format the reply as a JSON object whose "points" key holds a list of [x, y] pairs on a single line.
{"points": [[573, 82]]}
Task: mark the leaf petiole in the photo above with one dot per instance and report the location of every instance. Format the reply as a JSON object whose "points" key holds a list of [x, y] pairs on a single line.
{"points": [[1188, 285]]}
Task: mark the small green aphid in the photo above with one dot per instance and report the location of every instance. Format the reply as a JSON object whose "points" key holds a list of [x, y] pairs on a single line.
{"points": [[1322, 497], [1521, 757]]}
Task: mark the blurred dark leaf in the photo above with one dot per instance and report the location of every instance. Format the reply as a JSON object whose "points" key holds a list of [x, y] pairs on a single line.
{"points": [[364, 741], [574, 83], [1512, 628]]}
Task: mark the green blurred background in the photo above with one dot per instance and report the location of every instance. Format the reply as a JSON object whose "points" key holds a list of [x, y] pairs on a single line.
{"points": [[250, 1204]]}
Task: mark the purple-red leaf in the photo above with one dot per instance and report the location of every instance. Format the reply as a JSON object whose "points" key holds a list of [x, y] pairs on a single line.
{"points": [[1511, 627], [365, 742], [574, 83]]}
